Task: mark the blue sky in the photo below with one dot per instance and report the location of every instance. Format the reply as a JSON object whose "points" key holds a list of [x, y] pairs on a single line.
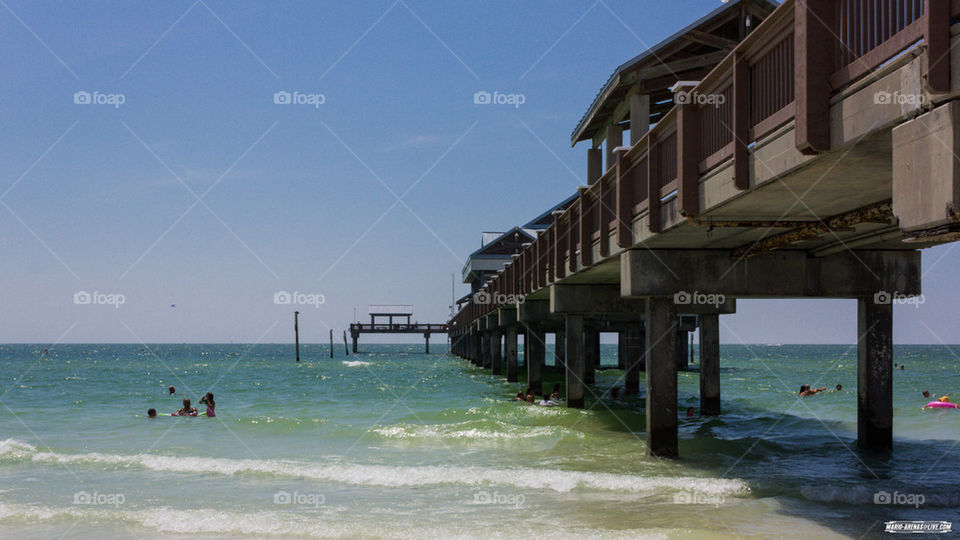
{"points": [[198, 197]]}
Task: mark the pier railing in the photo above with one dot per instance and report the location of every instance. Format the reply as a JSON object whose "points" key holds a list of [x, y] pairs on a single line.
{"points": [[397, 327], [787, 70]]}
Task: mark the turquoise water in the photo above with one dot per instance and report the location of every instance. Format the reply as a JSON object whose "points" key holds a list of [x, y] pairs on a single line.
{"points": [[395, 443]]}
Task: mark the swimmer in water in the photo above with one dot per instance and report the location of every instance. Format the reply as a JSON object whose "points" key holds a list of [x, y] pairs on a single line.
{"points": [[173, 390], [806, 391], [187, 410], [151, 413], [208, 401]]}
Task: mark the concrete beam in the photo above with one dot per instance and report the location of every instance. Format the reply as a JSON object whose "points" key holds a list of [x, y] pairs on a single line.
{"points": [[598, 300], [537, 311], [507, 316], [704, 274]]}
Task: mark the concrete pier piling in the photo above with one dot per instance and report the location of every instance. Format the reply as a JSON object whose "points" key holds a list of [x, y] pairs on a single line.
{"points": [[634, 355], [710, 364], [511, 347], [560, 350], [497, 349], [661, 377], [534, 352], [574, 361], [591, 349], [874, 374]]}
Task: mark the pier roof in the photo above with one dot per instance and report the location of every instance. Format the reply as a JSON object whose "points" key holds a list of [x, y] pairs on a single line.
{"points": [[689, 54]]}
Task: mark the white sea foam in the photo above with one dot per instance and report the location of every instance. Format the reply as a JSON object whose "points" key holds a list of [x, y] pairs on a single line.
{"points": [[262, 523], [467, 430], [391, 476], [355, 363]]}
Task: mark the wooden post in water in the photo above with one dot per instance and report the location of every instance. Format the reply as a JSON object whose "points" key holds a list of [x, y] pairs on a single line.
{"points": [[345, 348], [331, 343], [296, 331]]}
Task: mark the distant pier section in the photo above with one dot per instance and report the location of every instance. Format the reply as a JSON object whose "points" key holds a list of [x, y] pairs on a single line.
{"points": [[395, 319]]}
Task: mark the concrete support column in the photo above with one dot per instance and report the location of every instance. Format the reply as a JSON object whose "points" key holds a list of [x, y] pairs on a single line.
{"points": [[874, 374], [354, 344], [574, 361], [594, 165], [534, 351], [496, 362], [710, 365], [639, 117], [683, 352], [634, 351], [426, 338], [591, 349], [560, 350], [511, 347], [621, 350], [661, 322], [484, 360]]}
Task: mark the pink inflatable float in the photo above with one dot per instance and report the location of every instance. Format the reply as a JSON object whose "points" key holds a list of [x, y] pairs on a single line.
{"points": [[940, 405]]}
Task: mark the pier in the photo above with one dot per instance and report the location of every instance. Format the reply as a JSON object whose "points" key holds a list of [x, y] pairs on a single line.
{"points": [[395, 319], [806, 150]]}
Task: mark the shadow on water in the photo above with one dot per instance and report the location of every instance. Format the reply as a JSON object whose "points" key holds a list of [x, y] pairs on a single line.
{"points": [[810, 469]]}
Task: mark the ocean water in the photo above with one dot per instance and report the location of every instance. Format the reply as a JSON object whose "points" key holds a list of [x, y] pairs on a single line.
{"points": [[393, 443]]}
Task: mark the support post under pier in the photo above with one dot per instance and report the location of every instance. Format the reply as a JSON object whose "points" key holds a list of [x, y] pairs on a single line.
{"points": [[534, 352], [511, 347], [634, 350], [591, 349], [710, 365], [560, 350], [683, 354], [661, 322], [497, 358], [574, 361], [874, 374]]}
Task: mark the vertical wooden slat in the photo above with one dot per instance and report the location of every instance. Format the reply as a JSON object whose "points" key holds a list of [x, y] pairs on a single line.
{"points": [[936, 60], [587, 204], [813, 44], [741, 122], [573, 236], [560, 239], [625, 203], [688, 153], [604, 209], [653, 187]]}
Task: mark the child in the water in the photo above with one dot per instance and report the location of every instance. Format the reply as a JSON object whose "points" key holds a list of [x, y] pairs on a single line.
{"points": [[151, 413], [208, 401]]}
